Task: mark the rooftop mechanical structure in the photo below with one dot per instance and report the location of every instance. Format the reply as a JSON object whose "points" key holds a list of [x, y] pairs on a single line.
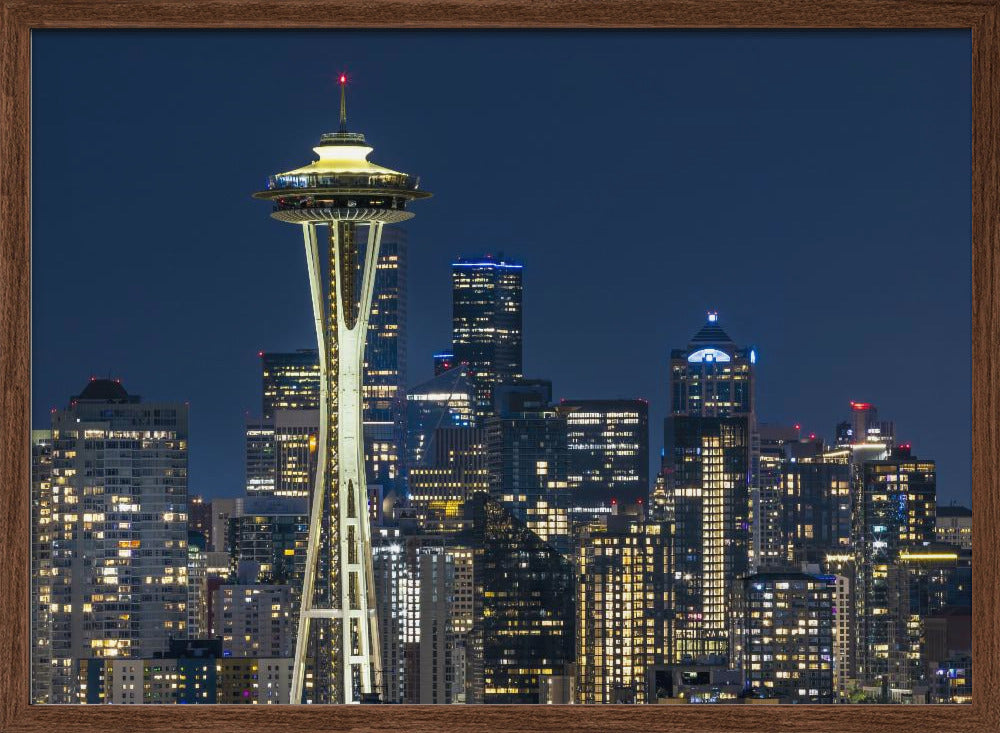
{"points": [[353, 199]]}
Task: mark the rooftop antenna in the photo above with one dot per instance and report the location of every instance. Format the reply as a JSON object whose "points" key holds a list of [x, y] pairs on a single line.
{"points": [[343, 102]]}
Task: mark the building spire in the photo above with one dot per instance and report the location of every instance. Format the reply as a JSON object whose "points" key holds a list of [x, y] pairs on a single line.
{"points": [[343, 102]]}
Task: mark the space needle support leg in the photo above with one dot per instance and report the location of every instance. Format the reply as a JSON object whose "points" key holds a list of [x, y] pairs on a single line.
{"points": [[369, 626], [316, 513], [359, 648]]}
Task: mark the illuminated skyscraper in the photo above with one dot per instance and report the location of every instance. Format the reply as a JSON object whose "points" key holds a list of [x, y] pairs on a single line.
{"points": [[708, 465], [815, 512], [289, 381], [621, 605], [266, 538], [528, 465], [446, 401], [712, 377], [925, 579], [453, 474], [260, 462], [486, 323], [787, 629], [349, 196], [119, 552], [296, 448], [894, 510], [608, 444], [384, 378]]}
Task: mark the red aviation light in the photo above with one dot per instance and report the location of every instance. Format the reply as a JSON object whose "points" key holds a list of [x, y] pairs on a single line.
{"points": [[343, 78], [861, 406]]}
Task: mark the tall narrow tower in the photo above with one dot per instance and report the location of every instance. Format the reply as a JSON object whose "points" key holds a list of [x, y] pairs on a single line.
{"points": [[350, 196]]}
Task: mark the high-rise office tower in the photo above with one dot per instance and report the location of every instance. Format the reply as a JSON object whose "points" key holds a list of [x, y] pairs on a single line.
{"points": [[708, 465], [296, 448], [925, 579], [342, 196], [712, 376], [527, 461], [453, 474], [118, 552], [384, 379], [446, 401], [815, 512], [200, 518], [487, 323], [787, 629], [621, 609], [867, 436], [289, 381], [608, 444], [777, 445], [894, 509], [261, 464], [523, 614], [266, 538]]}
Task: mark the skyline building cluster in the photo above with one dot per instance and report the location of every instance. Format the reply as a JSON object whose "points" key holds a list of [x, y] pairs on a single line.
{"points": [[471, 540]]}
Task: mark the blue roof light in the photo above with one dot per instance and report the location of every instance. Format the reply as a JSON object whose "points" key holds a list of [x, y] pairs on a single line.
{"points": [[487, 264]]}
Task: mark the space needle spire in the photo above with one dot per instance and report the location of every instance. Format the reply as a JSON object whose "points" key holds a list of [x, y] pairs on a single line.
{"points": [[341, 202]]}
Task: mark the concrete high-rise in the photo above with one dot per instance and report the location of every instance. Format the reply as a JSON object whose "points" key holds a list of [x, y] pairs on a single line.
{"points": [[342, 200], [118, 555], [787, 629]]}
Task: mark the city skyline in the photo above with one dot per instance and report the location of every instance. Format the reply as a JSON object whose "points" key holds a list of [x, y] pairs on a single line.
{"points": [[524, 556], [919, 296]]}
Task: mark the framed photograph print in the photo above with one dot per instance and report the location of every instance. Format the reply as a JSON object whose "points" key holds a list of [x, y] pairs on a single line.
{"points": [[499, 366]]}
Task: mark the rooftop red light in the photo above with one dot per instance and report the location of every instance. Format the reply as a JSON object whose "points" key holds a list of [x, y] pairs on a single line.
{"points": [[861, 405]]}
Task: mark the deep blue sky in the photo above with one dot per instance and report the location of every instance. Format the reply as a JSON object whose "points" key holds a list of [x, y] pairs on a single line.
{"points": [[813, 187]]}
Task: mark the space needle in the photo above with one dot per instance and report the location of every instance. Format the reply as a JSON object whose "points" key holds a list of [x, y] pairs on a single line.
{"points": [[353, 199]]}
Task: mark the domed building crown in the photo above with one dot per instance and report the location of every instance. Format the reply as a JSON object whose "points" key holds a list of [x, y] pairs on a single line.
{"points": [[103, 390]]}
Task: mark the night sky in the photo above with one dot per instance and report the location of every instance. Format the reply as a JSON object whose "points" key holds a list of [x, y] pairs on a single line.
{"points": [[812, 187]]}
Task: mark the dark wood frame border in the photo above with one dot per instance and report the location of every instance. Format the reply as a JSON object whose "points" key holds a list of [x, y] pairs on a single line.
{"points": [[19, 17]]}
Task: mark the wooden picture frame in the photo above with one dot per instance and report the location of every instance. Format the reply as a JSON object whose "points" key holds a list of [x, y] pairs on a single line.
{"points": [[20, 17]]}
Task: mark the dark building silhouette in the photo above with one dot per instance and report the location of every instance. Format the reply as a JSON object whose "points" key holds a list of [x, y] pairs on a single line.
{"points": [[523, 617]]}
